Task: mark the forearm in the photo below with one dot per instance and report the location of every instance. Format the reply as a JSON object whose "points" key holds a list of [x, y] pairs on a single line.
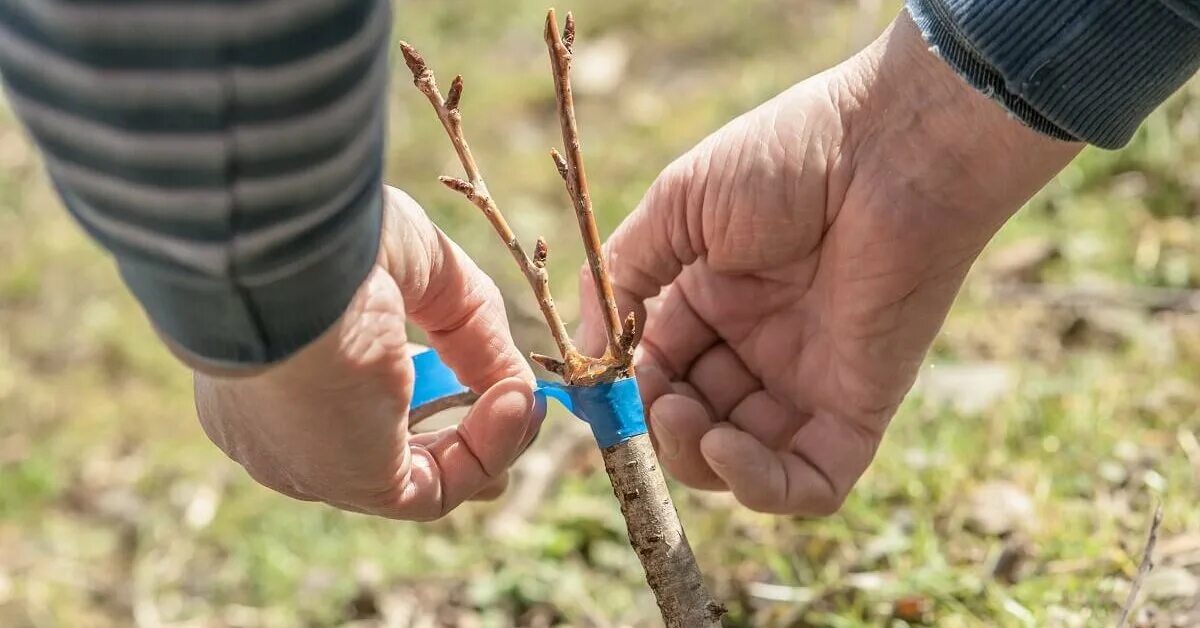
{"points": [[946, 143], [230, 159], [1071, 69]]}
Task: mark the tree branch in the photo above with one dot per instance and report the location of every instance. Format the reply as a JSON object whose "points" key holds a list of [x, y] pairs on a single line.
{"points": [[573, 172], [650, 516], [475, 190]]}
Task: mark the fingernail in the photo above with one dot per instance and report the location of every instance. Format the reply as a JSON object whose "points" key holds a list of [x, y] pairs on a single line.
{"points": [[668, 445]]}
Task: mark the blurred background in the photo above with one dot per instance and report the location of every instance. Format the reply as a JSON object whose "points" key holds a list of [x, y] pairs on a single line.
{"points": [[1057, 408]]}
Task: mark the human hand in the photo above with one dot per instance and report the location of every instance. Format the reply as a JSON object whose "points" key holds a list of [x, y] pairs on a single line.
{"points": [[331, 422], [803, 258]]}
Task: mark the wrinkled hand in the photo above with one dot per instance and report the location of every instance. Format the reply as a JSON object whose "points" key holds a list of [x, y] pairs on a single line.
{"points": [[331, 422], [803, 258]]}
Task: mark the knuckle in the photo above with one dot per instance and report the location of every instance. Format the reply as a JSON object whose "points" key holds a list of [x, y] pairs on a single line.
{"points": [[489, 292]]}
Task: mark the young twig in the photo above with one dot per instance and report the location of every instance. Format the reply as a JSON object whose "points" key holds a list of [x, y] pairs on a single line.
{"points": [[574, 367], [572, 170], [475, 190], [1144, 567]]}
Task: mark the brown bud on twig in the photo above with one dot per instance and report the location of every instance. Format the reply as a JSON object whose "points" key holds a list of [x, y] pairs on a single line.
{"points": [[541, 251], [631, 334], [460, 186], [455, 94], [415, 62], [569, 32], [560, 162], [558, 367]]}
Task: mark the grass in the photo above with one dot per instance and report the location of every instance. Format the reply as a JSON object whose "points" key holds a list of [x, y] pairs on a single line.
{"points": [[115, 510]]}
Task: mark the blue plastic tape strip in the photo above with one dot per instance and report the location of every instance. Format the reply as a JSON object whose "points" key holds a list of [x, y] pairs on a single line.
{"points": [[434, 381], [614, 411]]}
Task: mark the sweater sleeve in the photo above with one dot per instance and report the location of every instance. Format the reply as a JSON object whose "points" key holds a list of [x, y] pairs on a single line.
{"points": [[226, 152], [1084, 70]]}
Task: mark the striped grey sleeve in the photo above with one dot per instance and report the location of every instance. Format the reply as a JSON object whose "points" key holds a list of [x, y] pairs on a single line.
{"points": [[1081, 70], [227, 152]]}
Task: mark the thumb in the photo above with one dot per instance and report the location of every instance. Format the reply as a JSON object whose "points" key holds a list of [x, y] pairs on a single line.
{"points": [[648, 251], [447, 295]]}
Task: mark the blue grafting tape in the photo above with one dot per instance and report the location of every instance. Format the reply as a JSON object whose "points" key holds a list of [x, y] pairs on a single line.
{"points": [[614, 411], [434, 380]]}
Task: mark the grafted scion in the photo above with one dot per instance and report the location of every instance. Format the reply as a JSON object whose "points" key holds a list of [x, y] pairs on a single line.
{"points": [[651, 520]]}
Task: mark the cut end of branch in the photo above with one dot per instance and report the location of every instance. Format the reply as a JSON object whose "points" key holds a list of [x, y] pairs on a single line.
{"points": [[460, 186], [553, 365], [414, 60], [541, 251], [455, 95], [560, 163]]}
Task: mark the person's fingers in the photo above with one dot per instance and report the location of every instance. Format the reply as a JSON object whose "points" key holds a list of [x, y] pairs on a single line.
{"points": [[652, 383], [676, 335], [811, 479], [493, 490], [648, 250], [689, 391], [723, 378], [678, 424], [447, 295], [766, 418], [447, 467]]}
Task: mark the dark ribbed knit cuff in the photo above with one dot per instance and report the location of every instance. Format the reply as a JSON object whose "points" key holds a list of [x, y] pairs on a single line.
{"points": [[260, 320], [1072, 69]]}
